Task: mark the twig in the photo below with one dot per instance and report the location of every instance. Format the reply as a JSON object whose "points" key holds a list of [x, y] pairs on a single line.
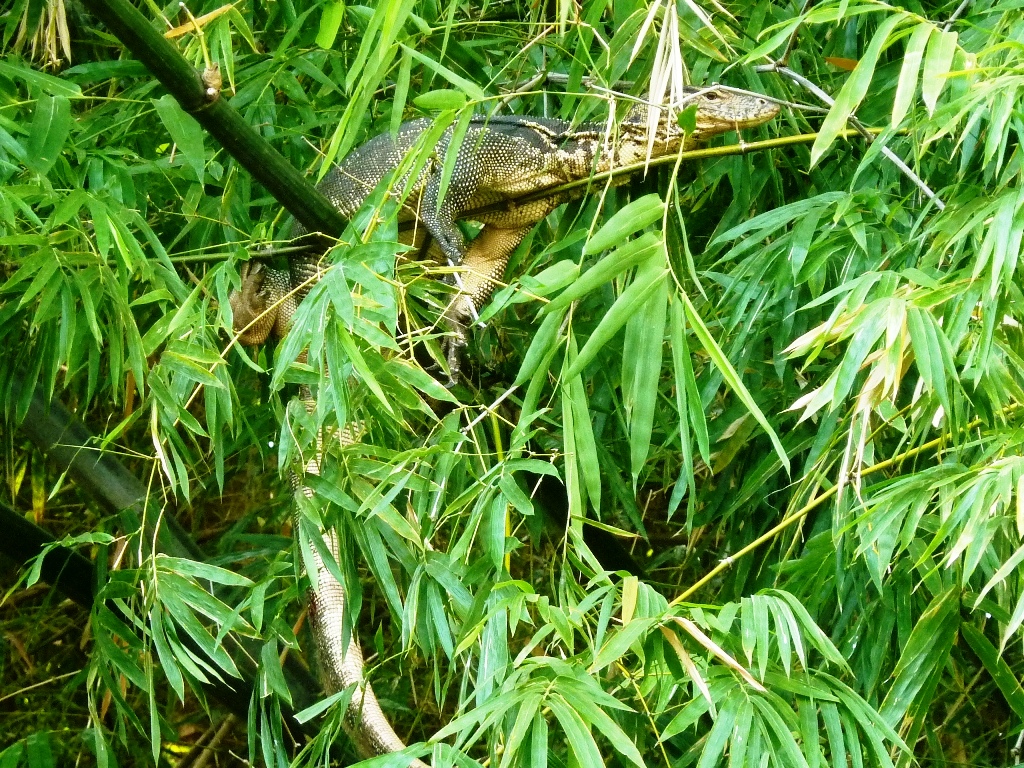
{"points": [[41, 683], [534, 81], [858, 126], [206, 752], [489, 409], [960, 9], [1015, 752], [562, 79], [784, 59]]}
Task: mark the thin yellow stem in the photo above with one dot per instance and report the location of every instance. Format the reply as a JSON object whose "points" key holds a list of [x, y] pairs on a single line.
{"points": [[819, 500]]}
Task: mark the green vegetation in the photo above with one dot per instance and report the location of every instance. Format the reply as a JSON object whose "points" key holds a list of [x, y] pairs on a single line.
{"points": [[790, 378]]}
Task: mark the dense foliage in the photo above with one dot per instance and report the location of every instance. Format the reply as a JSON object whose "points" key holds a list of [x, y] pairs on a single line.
{"points": [[791, 376]]}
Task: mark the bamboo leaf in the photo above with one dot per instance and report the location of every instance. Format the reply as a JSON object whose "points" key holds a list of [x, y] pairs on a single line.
{"points": [[925, 652], [938, 59], [48, 84], [854, 89], [631, 218], [51, 124], [731, 377], [441, 100], [330, 23], [628, 303], [718, 738], [996, 665], [185, 133], [641, 372], [633, 253], [468, 87], [906, 87], [578, 734]]}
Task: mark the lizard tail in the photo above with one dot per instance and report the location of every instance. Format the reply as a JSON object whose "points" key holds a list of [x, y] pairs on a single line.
{"points": [[341, 666]]}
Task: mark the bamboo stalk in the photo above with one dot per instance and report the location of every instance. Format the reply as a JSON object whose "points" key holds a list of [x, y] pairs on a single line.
{"points": [[202, 101]]}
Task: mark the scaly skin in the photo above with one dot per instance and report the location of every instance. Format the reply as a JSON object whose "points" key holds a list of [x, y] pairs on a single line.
{"points": [[500, 160]]}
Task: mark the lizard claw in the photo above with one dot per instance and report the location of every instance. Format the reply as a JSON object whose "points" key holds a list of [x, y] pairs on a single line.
{"points": [[453, 350], [459, 314], [250, 318]]}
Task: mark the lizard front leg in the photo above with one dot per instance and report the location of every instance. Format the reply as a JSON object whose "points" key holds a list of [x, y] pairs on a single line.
{"points": [[483, 266], [439, 219]]}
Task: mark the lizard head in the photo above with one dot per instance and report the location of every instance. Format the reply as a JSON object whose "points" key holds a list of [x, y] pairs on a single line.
{"points": [[719, 109]]}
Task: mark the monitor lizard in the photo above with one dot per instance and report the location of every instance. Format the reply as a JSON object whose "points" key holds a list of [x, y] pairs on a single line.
{"points": [[500, 160]]}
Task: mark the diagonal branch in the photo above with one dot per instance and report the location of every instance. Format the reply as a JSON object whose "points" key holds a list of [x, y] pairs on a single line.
{"points": [[200, 97]]}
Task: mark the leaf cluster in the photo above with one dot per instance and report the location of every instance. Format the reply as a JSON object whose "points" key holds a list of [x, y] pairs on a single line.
{"points": [[788, 380]]}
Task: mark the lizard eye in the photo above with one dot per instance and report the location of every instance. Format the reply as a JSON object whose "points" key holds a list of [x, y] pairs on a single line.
{"points": [[711, 96]]}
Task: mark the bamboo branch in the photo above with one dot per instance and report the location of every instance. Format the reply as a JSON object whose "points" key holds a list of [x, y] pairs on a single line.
{"points": [[201, 98], [75, 451]]}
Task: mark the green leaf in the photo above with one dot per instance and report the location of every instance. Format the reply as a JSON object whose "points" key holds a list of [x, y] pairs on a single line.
{"points": [[631, 218], [185, 132], [628, 303], [11, 756], [359, 363], [834, 731], [619, 643], [539, 742], [906, 87], [647, 246], [48, 84], [273, 676], [540, 347], [1005, 678], [38, 750], [440, 100], [451, 155], [855, 88], [202, 571], [938, 59], [376, 50], [467, 86], [811, 630], [401, 92], [581, 448], [581, 741], [529, 711], [931, 351], [641, 372], [926, 651], [687, 119], [718, 738], [51, 124], [773, 724], [589, 708], [742, 731], [330, 23], [341, 698], [493, 531], [163, 650], [687, 716], [731, 377]]}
